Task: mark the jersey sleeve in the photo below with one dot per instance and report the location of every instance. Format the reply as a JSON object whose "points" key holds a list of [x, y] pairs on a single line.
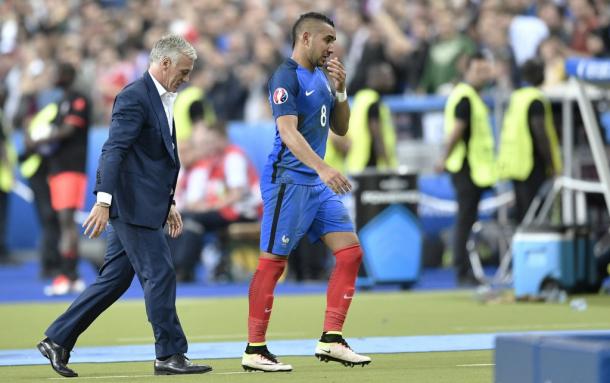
{"points": [[283, 91]]}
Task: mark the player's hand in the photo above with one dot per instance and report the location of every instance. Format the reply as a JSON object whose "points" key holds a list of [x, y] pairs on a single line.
{"points": [[174, 222], [335, 180], [96, 222], [336, 71]]}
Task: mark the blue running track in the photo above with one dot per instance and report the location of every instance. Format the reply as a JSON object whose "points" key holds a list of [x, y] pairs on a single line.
{"points": [[298, 347]]}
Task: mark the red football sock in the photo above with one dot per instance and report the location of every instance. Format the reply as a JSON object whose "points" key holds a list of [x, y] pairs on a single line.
{"points": [[261, 297], [341, 287]]}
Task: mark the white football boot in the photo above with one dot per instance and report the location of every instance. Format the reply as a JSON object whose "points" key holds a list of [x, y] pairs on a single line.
{"points": [[258, 358], [337, 350]]}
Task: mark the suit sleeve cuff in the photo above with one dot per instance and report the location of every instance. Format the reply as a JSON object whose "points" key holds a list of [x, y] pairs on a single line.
{"points": [[104, 198]]}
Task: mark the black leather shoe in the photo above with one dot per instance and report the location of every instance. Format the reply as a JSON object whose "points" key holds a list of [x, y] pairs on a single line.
{"points": [[179, 364], [58, 356]]}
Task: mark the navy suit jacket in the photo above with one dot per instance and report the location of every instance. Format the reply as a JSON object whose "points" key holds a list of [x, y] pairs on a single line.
{"points": [[139, 162]]}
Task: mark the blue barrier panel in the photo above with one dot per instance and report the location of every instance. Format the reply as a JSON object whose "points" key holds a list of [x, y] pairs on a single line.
{"points": [[556, 359], [516, 359], [588, 69], [392, 243], [570, 360], [255, 139]]}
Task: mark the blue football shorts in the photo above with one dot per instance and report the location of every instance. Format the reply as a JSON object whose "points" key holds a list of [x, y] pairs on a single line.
{"points": [[291, 211]]}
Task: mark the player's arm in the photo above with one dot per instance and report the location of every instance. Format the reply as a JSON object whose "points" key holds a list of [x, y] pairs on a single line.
{"points": [[339, 119], [294, 140], [75, 119]]}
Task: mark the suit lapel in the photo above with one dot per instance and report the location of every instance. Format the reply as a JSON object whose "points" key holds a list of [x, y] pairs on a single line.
{"points": [[175, 143], [155, 99]]}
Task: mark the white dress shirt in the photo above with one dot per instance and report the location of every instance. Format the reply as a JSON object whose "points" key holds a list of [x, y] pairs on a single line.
{"points": [[167, 99]]}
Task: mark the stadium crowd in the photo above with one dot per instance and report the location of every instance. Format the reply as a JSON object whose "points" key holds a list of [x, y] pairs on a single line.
{"points": [[240, 42]]}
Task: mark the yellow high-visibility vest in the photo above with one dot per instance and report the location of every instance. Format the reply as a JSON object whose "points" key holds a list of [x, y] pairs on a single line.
{"points": [[182, 118], [361, 139], [40, 121], [7, 178], [516, 157], [480, 155]]}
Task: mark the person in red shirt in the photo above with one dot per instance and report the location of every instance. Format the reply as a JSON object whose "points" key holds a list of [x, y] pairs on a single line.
{"points": [[220, 187]]}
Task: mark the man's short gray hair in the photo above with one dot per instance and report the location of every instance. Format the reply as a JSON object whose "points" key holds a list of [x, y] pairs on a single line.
{"points": [[172, 46]]}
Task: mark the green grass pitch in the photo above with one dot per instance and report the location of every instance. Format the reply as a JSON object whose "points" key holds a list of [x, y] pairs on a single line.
{"points": [[299, 317]]}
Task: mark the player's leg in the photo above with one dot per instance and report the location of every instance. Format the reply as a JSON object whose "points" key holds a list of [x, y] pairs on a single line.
{"points": [[333, 226], [67, 195], [257, 356], [283, 212]]}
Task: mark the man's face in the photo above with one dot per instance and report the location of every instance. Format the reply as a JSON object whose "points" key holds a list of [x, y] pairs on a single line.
{"points": [[481, 72], [176, 74], [321, 44]]}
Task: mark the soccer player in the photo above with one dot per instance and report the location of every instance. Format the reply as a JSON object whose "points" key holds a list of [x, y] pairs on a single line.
{"points": [[307, 95], [66, 148]]}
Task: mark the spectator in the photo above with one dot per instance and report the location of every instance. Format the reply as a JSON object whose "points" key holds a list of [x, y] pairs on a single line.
{"points": [[553, 53], [585, 21], [218, 188], [442, 61], [525, 34]]}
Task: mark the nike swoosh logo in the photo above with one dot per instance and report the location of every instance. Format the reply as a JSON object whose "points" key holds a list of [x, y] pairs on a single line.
{"points": [[309, 92], [267, 310], [345, 296], [326, 351]]}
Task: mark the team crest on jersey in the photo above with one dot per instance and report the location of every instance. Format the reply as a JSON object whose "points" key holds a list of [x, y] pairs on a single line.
{"points": [[280, 96]]}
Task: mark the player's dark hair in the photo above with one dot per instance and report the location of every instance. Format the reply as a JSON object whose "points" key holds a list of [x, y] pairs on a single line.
{"points": [[532, 72], [308, 16], [66, 74]]}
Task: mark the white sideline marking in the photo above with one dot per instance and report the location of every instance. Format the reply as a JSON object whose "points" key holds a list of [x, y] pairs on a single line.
{"points": [[476, 365], [141, 376]]}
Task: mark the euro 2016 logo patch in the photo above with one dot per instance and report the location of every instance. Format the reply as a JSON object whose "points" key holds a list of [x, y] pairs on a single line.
{"points": [[280, 96]]}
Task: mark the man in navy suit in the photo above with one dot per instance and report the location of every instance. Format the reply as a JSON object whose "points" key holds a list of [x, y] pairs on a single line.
{"points": [[135, 184]]}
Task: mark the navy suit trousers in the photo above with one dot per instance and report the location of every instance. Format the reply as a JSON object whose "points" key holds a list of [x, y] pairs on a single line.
{"points": [[131, 249]]}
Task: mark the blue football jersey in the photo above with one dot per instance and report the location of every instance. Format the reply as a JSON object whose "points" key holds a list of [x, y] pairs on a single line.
{"points": [[294, 90]]}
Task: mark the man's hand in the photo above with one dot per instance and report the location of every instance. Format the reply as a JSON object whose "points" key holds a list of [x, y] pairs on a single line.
{"points": [[336, 71], [335, 180], [174, 222], [96, 222]]}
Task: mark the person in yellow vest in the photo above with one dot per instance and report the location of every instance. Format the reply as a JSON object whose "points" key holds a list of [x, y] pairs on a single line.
{"points": [[371, 139], [34, 167], [468, 156], [191, 106], [529, 151], [7, 160]]}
